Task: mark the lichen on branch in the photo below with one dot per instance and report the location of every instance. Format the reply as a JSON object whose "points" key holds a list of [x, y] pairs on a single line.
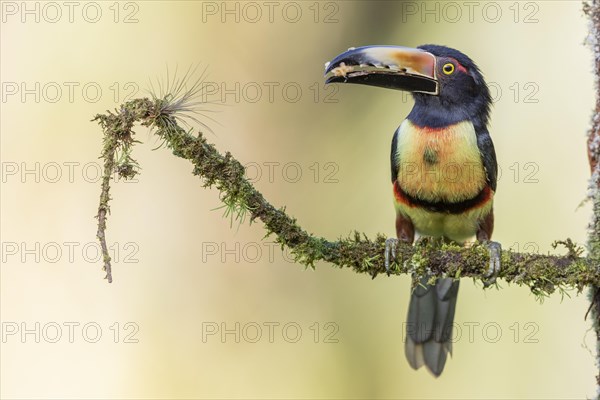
{"points": [[543, 274], [592, 10]]}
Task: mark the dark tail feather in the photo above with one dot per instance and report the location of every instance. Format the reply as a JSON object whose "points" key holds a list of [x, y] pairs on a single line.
{"points": [[429, 324]]}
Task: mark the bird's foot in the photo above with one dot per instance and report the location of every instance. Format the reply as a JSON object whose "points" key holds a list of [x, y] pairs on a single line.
{"points": [[390, 252], [494, 268]]}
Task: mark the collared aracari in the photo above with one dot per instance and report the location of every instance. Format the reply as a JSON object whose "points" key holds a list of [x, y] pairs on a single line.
{"points": [[443, 171]]}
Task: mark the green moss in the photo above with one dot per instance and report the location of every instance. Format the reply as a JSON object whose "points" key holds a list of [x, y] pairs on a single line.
{"points": [[544, 274]]}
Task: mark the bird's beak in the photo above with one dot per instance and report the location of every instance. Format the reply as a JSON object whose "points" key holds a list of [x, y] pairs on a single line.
{"points": [[392, 67]]}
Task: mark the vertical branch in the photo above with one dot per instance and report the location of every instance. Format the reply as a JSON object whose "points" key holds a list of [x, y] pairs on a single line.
{"points": [[116, 152], [108, 153], [594, 293], [592, 9]]}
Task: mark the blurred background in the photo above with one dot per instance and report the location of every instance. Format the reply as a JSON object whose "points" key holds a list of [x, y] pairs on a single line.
{"points": [[200, 308]]}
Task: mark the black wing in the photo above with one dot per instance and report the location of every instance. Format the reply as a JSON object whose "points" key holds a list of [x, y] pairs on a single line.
{"points": [[393, 156], [488, 157]]}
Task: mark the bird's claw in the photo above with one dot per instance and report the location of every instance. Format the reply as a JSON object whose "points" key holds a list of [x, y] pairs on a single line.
{"points": [[494, 268], [390, 251]]}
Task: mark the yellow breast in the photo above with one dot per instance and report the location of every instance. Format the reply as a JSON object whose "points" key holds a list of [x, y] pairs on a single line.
{"points": [[439, 164]]}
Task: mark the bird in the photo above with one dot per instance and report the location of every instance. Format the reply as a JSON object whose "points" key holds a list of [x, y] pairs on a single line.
{"points": [[443, 172]]}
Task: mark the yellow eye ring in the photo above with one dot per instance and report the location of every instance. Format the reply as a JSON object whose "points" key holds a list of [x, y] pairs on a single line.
{"points": [[448, 68]]}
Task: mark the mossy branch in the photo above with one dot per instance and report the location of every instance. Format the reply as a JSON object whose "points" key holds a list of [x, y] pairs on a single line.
{"points": [[592, 9], [543, 274]]}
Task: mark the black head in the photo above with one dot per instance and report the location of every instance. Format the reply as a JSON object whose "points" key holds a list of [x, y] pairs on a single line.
{"points": [[463, 93]]}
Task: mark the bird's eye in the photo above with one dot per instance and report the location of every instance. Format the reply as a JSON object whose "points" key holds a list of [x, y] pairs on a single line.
{"points": [[448, 68]]}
